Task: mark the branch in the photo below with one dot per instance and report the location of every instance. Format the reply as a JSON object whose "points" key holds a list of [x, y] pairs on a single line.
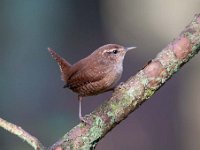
{"points": [[12, 128], [126, 97], [130, 95]]}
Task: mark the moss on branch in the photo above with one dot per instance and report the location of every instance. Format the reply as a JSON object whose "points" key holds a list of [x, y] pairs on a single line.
{"points": [[128, 96]]}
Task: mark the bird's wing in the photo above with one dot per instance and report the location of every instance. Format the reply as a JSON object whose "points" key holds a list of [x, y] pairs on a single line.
{"points": [[62, 63], [86, 73]]}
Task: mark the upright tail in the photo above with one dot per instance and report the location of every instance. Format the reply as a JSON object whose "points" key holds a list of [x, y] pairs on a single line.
{"points": [[62, 63]]}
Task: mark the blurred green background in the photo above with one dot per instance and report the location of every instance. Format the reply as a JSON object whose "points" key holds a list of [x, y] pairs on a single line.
{"points": [[31, 93]]}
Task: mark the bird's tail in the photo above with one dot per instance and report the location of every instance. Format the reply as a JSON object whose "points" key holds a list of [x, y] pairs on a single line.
{"points": [[62, 63]]}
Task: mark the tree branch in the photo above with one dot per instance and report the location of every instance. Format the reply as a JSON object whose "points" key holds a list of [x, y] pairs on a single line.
{"points": [[130, 95], [126, 97], [12, 128]]}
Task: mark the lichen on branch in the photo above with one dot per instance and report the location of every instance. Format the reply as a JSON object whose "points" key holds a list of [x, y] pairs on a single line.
{"points": [[128, 96]]}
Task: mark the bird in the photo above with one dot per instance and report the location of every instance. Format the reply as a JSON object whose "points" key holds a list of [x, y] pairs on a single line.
{"points": [[95, 74]]}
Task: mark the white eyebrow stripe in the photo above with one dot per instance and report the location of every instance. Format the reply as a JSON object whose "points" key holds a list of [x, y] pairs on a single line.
{"points": [[110, 50]]}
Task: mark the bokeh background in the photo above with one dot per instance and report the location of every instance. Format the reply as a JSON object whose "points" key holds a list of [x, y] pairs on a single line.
{"points": [[31, 93]]}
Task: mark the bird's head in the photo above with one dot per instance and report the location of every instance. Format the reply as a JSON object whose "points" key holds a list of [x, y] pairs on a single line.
{"points": [[112, 53]]}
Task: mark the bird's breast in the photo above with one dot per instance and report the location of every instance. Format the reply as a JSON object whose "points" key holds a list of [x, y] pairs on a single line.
{"points": [[115, 75]]}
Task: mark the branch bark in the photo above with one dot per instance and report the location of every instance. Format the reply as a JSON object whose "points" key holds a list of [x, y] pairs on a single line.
{"points": [[126, 97], [17, 130], [130, 95]]}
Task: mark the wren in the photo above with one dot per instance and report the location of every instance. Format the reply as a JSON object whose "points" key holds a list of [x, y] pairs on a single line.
{"points": [[97, 73]]}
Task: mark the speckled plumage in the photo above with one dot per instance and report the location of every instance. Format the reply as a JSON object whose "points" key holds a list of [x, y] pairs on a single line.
{"points": [[97, 73]]}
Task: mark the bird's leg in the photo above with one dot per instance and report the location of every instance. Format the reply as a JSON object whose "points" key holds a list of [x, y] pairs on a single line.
{"points": [[80, 114]]}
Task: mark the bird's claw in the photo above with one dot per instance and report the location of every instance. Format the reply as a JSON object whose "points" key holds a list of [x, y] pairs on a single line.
{"points": [[87, 122]]}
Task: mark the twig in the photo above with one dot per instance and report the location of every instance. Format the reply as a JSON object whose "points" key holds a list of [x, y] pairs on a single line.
{"points": [[134, 92], [126, 97], [12, 128]]}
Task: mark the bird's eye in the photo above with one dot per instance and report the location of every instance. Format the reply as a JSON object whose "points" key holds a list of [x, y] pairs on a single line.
{"points": [[115, 51]]}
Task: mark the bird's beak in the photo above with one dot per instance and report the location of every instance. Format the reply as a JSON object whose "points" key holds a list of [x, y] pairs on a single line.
{"points": [[130, 48]]}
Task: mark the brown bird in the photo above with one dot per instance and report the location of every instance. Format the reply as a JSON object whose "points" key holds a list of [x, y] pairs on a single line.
{"points": [[95, 74]]}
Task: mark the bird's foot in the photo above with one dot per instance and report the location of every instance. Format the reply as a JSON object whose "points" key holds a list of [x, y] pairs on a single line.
{"points": [[83, 120], [121, 83]]}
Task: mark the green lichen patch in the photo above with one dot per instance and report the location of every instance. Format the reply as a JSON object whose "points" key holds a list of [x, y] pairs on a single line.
{"points": [[111, 115], [148, 93]]}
